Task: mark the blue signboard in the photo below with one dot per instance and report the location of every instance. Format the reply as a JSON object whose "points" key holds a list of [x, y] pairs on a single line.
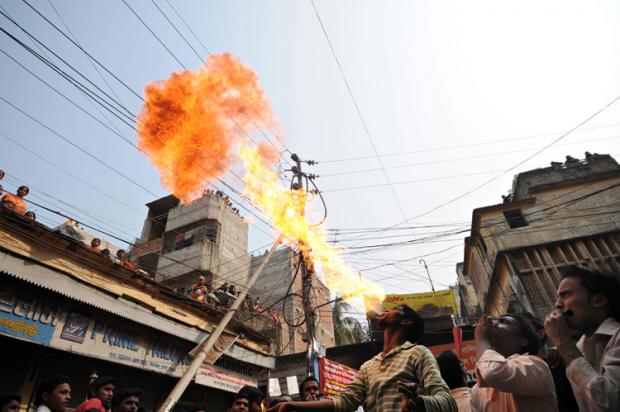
{"points": [[27, 318]]}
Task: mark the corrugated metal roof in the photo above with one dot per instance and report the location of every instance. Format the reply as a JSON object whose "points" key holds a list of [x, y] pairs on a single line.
{"points": [[44, 277]]}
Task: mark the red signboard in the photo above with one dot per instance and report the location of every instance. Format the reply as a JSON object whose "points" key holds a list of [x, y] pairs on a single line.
{"points": [[334, 377], [468, 353]]}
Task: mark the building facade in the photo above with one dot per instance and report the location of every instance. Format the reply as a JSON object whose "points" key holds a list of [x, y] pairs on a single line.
{"points": [[67, 309], [207, 237], [281, 278], [566, 214]]}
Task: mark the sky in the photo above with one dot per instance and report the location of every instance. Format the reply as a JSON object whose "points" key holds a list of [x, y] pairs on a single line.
{"points": [[438, 98]]}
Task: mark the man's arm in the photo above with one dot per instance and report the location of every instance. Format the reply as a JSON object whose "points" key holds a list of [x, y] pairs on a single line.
{"points": [[523, 375], [438, 397], [600, 392]]}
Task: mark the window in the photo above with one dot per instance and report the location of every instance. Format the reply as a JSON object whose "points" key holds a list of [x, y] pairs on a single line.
{"points": [[515, 218], [197, 232]]}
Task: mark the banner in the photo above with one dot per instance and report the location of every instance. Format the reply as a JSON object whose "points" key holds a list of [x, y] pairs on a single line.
{"points": [[334, 377], [209, 375], [427, 304], [468, 355]]}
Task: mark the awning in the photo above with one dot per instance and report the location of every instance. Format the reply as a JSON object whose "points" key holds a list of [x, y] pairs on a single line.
{"points": [[46, 278]]}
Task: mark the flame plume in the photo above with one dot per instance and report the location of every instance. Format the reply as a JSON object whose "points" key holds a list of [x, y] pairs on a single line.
{"points": [[190, 126], [190, 122]]}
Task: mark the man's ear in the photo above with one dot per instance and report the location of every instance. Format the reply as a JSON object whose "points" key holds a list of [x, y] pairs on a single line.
{"points": [[45, 396], [599, 300]]}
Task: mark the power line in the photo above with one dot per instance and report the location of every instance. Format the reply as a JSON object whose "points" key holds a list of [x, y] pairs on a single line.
{"points": [[460, 146], [84, 51], [359, 112], [454, 159]]}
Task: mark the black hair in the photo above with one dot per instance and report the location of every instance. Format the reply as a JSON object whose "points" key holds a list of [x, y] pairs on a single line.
{"points": [[451, 369], [527, 332], [123, 394], [308, 379], [416, 330], [48, 384], [536, 324], [23, 187], [199, 408], [6, 399], [597, 283], [100, 382], [251, 393]]}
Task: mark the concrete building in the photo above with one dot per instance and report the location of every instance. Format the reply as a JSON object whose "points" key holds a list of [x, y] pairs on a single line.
{"points": [[207, 237], [277, 281], [565, 214], [65, 308]]}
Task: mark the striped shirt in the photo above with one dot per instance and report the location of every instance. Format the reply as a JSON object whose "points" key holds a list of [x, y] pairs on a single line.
{"points": [[376, 383]]}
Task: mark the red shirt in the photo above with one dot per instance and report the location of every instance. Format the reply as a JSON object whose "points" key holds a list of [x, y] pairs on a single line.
{"points": [[91, 405], [20, 204]]}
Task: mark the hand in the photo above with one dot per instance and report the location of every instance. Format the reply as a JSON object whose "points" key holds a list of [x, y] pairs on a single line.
{"points": [[280, 407], [484, 328], [411, 401], [557, 328]]}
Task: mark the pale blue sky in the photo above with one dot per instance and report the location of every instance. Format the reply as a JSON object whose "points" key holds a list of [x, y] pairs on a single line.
{"points": [[426, 75]]}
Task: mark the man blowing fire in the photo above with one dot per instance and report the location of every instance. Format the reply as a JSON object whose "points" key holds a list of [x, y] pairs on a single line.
{"points": [[390, 381]]}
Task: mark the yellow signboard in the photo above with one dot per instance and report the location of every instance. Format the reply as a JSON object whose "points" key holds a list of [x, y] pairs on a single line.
{"points": [[427, 304]]}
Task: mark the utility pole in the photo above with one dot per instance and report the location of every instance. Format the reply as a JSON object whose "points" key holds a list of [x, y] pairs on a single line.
{"points": [[428, 274], [306, 275]]}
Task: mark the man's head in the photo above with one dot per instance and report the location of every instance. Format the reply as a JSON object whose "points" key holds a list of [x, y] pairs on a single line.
{"points": [[96, 242], [106, 252], [309, 388], [30, 215], [403, 317], [102, 388], [239, 404], [9, 403], [254, 398], [1, 174], [126, 400], [54, 392], [8, 204], [590, 295], [22, 191], [451, 369], [201, 280], [512, 333], [120, 254]]}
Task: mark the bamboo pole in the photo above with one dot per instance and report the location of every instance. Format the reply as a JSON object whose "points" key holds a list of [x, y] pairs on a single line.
{"points": [[205, 347]]}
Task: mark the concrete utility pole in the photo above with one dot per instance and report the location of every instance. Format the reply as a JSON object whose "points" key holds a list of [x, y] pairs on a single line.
{"points": [[306, 275], [208, 344]]}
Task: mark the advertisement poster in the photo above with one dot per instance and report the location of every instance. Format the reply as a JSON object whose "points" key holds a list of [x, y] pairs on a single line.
{"points": [[468, 354], [334, 377], [427, 304]]}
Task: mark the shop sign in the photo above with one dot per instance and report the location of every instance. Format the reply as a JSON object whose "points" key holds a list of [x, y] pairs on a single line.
{"points": [[427, 304], [218, 378], [27, 318], [117, 343], [468, 355], [334, 377]]}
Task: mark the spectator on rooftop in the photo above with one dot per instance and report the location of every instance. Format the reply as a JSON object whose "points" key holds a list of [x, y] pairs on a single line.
{"points": [[30, 215], [7, 204], [231, 290], [19, 204], [106, 252], [94, 244], [122, 257], [1, 174]]}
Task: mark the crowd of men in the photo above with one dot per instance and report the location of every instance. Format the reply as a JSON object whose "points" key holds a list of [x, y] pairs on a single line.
{"points": [[517, 369]]}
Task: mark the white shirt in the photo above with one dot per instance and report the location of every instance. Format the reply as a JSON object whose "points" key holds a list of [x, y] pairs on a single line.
{"points": [[514, 384], [43, 408], [595, 378], [462, 396]]}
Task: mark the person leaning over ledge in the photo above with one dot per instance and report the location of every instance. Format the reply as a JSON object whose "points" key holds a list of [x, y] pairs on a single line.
{"points": [[389, 381]]}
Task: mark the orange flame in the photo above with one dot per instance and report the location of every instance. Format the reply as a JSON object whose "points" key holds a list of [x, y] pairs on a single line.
{"points": [[188, 128], [190, 122]]}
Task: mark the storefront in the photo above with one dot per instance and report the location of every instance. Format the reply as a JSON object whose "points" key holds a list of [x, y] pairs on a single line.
{"points": [[45, 333]]}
